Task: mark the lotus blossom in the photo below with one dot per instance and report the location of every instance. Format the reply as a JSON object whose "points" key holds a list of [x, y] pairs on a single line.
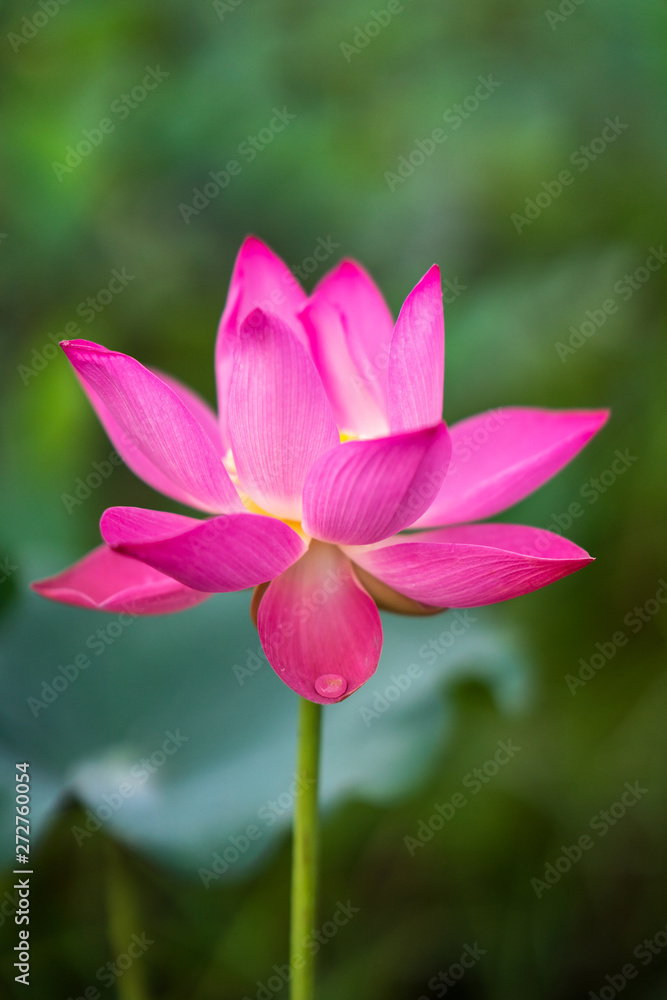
{"points": [[328, 445]]}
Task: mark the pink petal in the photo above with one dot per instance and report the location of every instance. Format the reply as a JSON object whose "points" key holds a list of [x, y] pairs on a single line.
{"points": [[280, 420], [501, 456], [218, 555], [417, 363], [260, 280], [473, 564], [350, 393], [363, 491], [106, 581], [152, 428], [203, 413], [367, 323], [320, 630], [388, 599]]}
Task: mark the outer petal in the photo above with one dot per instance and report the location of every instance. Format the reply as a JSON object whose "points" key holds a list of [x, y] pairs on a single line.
{"points": [[388, 599], [152, 429], [417, 361], [501, 456], [222, 554], [473, 564], [320, 630], [106, 581], [280, 420], [198, 407], [352, 394], [260, 280], [363, 491], [368, 325]]}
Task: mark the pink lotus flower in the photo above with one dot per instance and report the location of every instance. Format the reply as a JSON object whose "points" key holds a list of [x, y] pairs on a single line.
{"points": [[328, 445]]}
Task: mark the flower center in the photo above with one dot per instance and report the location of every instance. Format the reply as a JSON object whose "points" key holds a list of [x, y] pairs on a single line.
{"points": [[254, 508], [249, 503]]}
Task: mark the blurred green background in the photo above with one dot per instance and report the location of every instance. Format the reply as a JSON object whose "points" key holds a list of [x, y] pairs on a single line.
{"points": [[529, 264]]}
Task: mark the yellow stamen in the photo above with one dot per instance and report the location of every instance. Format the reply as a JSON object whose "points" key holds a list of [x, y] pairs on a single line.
{"points": [[256, 509]]}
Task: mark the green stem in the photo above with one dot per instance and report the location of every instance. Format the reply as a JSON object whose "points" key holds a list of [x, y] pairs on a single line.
{"points": [[123, 923], [304, 853]]}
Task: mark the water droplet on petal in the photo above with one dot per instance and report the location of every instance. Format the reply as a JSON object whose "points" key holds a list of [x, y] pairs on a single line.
{"points": [[331, 685]]}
